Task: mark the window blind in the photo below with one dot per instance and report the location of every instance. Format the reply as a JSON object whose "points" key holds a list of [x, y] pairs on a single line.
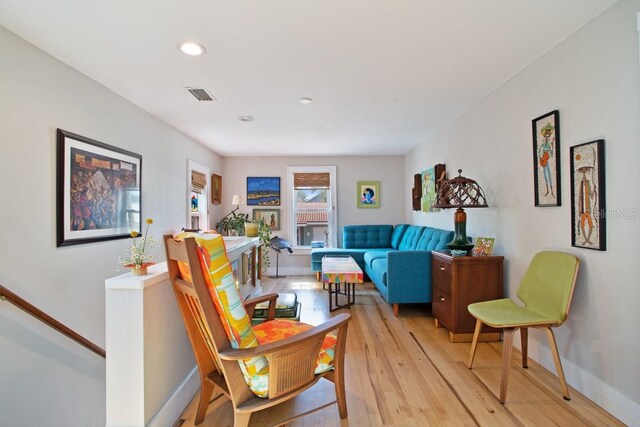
{"points": [[198, 181], [311, 180]]}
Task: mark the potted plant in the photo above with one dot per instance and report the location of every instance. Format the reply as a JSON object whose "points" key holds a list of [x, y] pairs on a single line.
{"points": [[234, 223], [264, 235]]}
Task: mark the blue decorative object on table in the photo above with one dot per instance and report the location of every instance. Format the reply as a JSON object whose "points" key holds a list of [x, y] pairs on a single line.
{"points": [[458, 252]]}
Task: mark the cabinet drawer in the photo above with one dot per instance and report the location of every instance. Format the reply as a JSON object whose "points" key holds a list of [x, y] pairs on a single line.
{"points": [[442, 307], [441, 274]]}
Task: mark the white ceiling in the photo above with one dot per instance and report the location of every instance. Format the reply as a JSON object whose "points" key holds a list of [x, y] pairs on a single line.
{"points": [[383, 74]]}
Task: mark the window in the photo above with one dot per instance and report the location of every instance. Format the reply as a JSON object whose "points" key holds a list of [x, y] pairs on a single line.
{"points": [[197, 185], [312, 191]]}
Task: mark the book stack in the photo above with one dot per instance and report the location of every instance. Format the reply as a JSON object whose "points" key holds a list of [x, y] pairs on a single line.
{"points": [[317, 244], [287, 307]]}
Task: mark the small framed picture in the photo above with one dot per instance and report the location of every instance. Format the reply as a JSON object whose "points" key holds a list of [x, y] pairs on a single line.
{"points": [[483, 246], [588, 229], [368, 194], [216, 189], [271, 217], [546, 159]]}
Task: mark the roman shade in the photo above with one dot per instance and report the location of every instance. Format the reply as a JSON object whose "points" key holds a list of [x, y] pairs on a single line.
{"points": [[311, 180], [198, 181]]}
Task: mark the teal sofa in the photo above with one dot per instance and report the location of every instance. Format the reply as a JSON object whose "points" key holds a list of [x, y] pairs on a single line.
{"points": [[396, 259]]}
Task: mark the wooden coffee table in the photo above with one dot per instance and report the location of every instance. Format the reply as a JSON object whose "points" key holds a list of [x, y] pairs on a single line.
{"points": [[341, 274]]}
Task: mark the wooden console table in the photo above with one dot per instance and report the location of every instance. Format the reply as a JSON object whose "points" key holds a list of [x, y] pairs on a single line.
{"points": [[458, 282]]}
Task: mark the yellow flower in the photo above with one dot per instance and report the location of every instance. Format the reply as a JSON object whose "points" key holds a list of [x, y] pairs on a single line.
{"points": [[134, 234], [149, 221]]}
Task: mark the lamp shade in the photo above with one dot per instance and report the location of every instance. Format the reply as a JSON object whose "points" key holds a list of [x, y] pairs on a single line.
{"points": [[236, 200], [461, 192]]}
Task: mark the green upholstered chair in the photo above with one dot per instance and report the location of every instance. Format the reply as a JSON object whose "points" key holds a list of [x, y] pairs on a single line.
{"points": [[546, 290]]}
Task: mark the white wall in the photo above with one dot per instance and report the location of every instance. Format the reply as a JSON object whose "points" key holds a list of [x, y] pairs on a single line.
{"points": [[592, 78], [389, 170], [47, 380]]}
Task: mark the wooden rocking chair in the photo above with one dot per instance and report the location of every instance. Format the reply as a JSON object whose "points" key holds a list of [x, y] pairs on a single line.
{"points": [[291, 360]]}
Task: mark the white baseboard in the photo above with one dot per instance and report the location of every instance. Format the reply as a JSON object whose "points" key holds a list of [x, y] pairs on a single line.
{"points": [[178, 402], [290, 271], [611, 400]]}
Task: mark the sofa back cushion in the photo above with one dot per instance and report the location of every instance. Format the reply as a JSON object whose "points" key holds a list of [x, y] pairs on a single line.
{"points": [[410, 238], [366, 236], [434, 239], [398, 232]]}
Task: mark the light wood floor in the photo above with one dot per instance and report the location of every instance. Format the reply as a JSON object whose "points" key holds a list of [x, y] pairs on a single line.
{"points": [[404, 372]]}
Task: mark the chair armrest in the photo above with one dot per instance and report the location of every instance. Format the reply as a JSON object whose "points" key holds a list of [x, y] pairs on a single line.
{"points": [[250, 305], [409, 276], [338, 322]]}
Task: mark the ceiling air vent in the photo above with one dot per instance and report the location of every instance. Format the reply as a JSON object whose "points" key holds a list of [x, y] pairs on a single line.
{"points": [[200, 93]]}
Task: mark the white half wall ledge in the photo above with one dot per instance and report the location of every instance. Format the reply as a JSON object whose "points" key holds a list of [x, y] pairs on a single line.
{"points": [[151, 374], [178, 401]]}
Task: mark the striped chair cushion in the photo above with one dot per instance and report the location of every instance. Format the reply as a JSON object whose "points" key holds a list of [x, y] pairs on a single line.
{"points": [[226, 298]]}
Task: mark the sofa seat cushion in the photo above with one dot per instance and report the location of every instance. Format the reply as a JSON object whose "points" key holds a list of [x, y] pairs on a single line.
{"points": [[372, 254], [356, 254], [411, 238], [379, 269]]}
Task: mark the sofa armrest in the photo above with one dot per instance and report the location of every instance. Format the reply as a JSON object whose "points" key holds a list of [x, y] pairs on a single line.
{"points": [[409, 276]]}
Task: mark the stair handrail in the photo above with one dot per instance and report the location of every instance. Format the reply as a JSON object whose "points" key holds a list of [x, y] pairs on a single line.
{"points": [[6, 294]]}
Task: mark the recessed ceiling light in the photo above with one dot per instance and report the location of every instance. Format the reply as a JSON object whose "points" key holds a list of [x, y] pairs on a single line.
{"points": [[191, 48], [305, 100], [245, 118]]}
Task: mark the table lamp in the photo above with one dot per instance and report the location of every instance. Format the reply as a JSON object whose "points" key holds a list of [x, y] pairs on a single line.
{"points": [[235, 202], [460, 193]]}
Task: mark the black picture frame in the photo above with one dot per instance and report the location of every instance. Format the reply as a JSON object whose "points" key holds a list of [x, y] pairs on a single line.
{"points": [[588, 214], [98, 190], [546, 159]]}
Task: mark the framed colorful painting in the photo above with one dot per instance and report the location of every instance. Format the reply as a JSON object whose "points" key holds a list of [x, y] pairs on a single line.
{"points": [[263, 191], [216, 189], [98, 190], [588, 228], [271, 217], [546, 159], [368, 194], [483, 246]]}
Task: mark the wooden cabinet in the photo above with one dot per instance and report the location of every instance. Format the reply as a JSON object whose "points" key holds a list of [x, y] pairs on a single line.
{"points": [[458, 282]]}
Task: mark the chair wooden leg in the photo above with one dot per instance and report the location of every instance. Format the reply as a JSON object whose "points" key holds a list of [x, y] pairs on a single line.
{"points": [[341, 395], [396, 309], [556, 359], [507, 347], [206, 391], [474, 343], [524, 341], [241, 419], [338, 372]]}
